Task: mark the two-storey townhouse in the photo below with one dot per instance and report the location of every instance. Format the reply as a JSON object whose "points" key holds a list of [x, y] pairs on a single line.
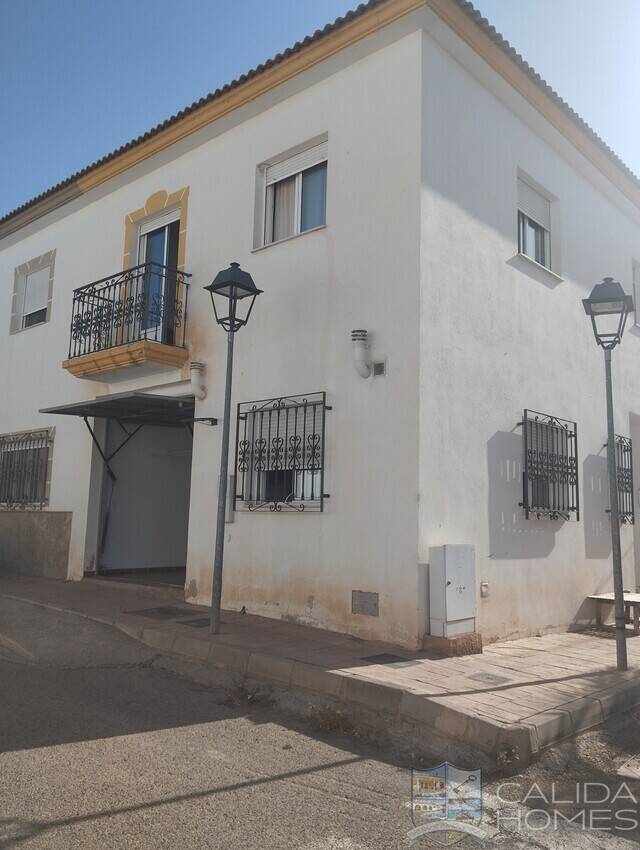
{"points": [[402, 172]]}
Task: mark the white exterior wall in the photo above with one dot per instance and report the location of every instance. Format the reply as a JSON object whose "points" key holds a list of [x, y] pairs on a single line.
{"points": [[425, 143], [499, 335], [361, 271]]}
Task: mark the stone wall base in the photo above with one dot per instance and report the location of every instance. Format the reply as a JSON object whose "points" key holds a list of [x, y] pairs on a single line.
{"points": [[35, 543], [443, 647]]}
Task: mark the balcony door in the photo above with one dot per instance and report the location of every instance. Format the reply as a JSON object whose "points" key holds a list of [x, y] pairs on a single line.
{"points": [[158, 249]]}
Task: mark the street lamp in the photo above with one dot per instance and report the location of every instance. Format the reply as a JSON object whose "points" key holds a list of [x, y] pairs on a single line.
{"points": [[608, 308], [232, 295]]}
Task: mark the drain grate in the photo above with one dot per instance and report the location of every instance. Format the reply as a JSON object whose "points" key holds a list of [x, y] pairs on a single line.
{"points": [[489, 678], [162, 612]]}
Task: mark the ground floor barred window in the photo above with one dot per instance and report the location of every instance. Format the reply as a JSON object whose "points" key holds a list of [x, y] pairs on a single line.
{"points": [[25, 466], [280, 453]]}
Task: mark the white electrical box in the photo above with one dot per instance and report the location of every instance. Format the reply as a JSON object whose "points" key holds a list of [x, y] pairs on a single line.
{"points": [[452, 590]]}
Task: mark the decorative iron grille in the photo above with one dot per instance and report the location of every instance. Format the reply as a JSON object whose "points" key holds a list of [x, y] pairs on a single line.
{"points": [[624, 478], [24, 468], [148, 301], [280, 453], [550, 469]]}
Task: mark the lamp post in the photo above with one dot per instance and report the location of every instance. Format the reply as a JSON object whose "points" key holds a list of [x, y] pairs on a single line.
{"points": [[232, 295], [608, 308]]}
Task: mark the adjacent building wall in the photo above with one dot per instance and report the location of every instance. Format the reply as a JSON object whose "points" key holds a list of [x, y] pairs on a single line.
{"points": [[499, 334]]}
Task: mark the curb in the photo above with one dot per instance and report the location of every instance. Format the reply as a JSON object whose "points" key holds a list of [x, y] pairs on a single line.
{"points": [[387, 708], [51, 607], [384, 707], [506, 746]]}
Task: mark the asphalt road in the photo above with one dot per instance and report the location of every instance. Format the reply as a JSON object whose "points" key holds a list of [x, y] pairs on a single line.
{"points": [[100, 747]]}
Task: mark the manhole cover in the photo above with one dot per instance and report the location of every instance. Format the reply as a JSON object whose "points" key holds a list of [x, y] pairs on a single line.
{"points": [[163, 612], [488, 678], [386, 658]]}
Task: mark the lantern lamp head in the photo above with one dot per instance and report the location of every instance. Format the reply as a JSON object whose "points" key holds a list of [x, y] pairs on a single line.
{"points": [[232, 295], [608, 308]]}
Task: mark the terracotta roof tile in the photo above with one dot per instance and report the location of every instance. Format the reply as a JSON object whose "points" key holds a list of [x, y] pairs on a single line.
{"points": [[362, 9]]}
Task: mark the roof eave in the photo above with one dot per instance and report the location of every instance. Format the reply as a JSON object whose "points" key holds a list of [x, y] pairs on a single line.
{"points": [[367, 19]]}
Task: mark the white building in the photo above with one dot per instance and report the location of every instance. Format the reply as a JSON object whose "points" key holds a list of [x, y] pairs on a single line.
{"points": [[403, 172]]}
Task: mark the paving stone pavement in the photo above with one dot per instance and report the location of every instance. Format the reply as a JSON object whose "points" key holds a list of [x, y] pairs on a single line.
{"points": [[510, 702]]}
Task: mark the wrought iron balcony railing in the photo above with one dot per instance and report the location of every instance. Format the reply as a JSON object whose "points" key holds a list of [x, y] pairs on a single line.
{"points": [[147, 302]]}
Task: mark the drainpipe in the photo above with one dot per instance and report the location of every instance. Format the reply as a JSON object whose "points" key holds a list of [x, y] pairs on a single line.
{"points": [[197, 386], [361, 359]]}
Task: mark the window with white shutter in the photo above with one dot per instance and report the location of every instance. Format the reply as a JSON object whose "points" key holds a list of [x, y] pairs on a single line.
{"points": [[36, 296], [295, 197], [32, 291], [534, 224]]}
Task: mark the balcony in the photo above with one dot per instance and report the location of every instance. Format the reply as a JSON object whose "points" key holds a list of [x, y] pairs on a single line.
{"points": [[134, 318]]}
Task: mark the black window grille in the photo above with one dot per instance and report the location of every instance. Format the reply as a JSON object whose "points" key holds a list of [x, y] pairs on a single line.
{"points": [[550, 468], [24, 466], [280, 453], [624, 478]]}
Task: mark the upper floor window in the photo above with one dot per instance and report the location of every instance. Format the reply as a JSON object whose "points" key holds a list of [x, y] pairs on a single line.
{"points": [[295, 194], [32, 291], [534, 224]]}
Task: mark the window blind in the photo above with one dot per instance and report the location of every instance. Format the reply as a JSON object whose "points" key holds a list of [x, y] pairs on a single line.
{"points": [[299, 162], [533, 204], [158, 221], [36, 291]]}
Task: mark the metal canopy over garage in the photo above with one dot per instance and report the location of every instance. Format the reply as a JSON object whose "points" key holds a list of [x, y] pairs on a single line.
{"points": [[134, 408]]}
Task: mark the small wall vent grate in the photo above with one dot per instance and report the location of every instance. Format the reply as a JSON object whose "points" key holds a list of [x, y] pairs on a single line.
{"points": [[379, 369], [364, 602]]}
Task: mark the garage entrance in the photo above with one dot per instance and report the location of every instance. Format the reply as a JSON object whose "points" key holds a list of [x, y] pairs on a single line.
{"points": [[144, 511], [145, 444]]}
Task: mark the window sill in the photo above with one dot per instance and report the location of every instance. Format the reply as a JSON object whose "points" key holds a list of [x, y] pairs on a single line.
{"points": [[537, 265], [288, 238], [295, 508], [28, 328], [23, 507]]}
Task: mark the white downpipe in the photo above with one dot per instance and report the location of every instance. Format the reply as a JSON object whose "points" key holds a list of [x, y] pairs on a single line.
{"points": [[198, 388], [361, 358]]}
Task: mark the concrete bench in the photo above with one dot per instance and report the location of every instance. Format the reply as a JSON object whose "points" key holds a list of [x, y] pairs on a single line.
{"points": [[631, 607]]}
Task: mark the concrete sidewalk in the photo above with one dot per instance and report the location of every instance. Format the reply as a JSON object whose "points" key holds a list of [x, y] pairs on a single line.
{"points": [[501, 707]]}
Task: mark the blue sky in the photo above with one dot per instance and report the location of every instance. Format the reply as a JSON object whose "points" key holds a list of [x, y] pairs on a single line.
{"points": [[80, 77]]}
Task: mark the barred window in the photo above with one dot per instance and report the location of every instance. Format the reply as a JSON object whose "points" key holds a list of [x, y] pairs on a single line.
{"points": [[25, 460], [624, 478], [280, 453], [550, 468]]}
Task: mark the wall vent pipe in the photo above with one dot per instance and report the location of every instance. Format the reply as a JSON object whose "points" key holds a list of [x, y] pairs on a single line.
{"points": [[361, 358], [198, 388]]}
